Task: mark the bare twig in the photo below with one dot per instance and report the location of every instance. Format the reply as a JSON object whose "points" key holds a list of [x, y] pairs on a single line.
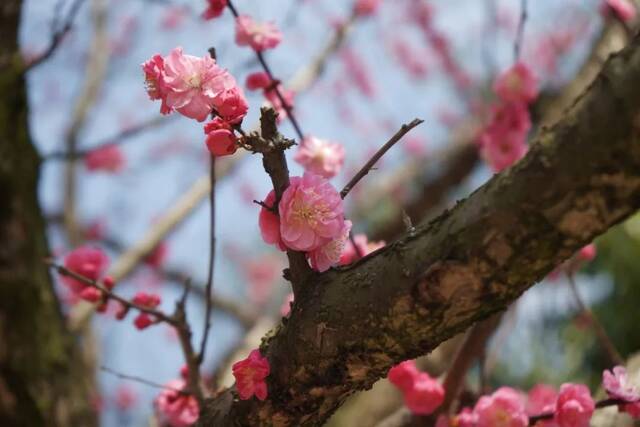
{"points": [[139, 380], [607, 345], [118, 139], [267, 69], [517, 47], [57, 35], [94, 77], [374, 159], [194, 384], [212, 256]]}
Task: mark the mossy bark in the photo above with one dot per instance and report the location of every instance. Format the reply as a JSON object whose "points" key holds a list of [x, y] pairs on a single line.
{"points": [[349, 326], [41, 377]]}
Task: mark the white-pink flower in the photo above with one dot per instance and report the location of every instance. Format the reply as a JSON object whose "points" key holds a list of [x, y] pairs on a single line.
{"points": [[311, 213], [504, 408], [194, 83], [574, 406], [320, 156], [618, 386], [174, 408], [259, 35], [328, 255]]}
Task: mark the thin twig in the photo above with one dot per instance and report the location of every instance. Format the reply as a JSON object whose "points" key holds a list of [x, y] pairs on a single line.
{"points": [[118, 139], [267, 70], [404, 129], [110, 294], [194, 384], [212, 255], [517, 46], [140, 380], [57, 36], [610, 349]]}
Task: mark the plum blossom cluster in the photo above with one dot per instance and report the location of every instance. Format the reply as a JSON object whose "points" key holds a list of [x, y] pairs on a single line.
{"points": [[91, 263], [175, 407], [422, 394], [250, 375], [270, 90], [503, 141], [570, 406], [197, 87]]}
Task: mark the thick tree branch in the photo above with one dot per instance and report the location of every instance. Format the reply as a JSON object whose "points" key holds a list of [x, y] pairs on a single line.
{"points": [[580, 177]]}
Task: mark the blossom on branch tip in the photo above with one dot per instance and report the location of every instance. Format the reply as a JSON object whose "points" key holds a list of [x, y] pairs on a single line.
{"points": [[311, 213], [220, 138], [250, 375], [108, 158], [574, 406], [320, 156], [259, 35], [86, 261], [504, 408], [618, 386], [175, 408], [214, 9], [143, 299]]}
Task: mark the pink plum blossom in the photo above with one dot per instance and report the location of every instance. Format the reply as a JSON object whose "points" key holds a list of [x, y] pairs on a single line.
{"points": [[269, 223], [214, 9], [154, 80], [194, 84], [147, 300], [320, 156], [258, 80], [108, 158], [624, 9], [425, 395], [311, 213], [87, 261], [617, 384], [403, 375], [328, 255], [220, 138], [364, 247], [366, 7], [466, 418], [540, 400], [174, 408], [517, 84], [574, 407], [503, 141], [504, 408], [259, 35], [250, 375], [231, 105]]}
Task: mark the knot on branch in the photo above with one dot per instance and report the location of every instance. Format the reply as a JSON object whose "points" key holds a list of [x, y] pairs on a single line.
{"points": [[269, 139]]}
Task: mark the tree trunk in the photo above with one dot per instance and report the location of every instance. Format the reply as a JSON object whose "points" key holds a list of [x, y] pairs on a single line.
{"points": [[42, 382]]}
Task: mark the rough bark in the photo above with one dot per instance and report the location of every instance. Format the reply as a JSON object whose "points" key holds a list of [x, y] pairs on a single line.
{"points": [[41, 376], [349, 326]]}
